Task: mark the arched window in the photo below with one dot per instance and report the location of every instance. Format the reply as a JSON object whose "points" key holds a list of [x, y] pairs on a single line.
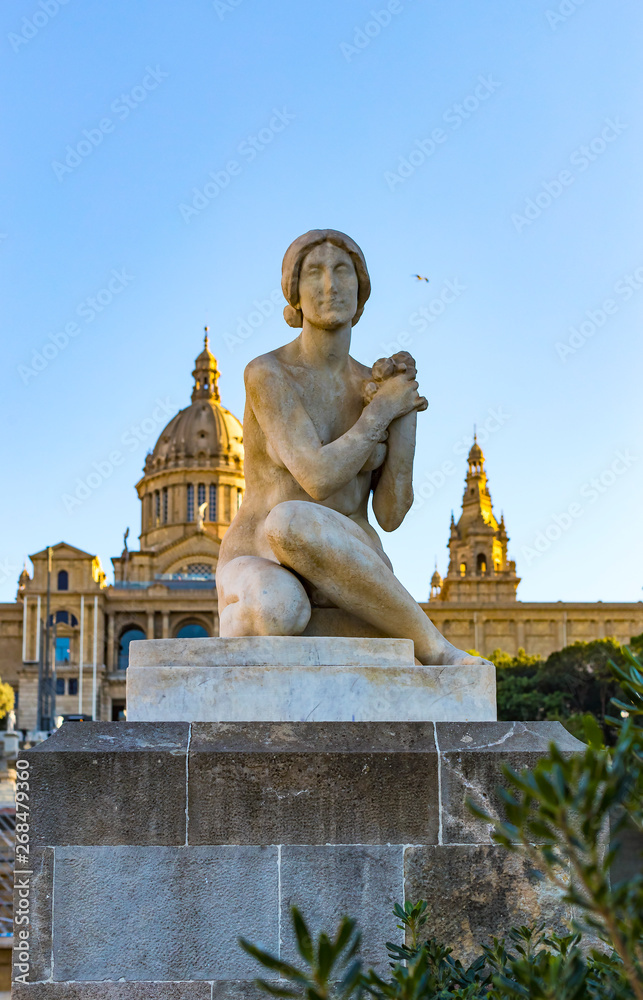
{"points": [[157, 507], [165, 504], [63, 579], [200, 494], [482, 564], [64, 618], [239, 496], [123, 647], [212, 503], [463, 569], [190, 502], [192, 631], [204, 570]]}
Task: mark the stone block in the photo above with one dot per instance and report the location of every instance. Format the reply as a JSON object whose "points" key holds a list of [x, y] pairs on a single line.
{"points": [[300, 679], [312, 783], [238, 989], [477, 892], [108, 783], [161, 913], [39, 881], [471, 760], [327, 883], [112, 991]]}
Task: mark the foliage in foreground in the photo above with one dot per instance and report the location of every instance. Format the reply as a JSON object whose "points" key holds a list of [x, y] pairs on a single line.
{"points": [[528, 963], [557, 814], [569, 685]]}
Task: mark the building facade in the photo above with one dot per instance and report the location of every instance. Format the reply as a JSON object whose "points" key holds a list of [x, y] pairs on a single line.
{"points": [[191, 488], [475, 606]]}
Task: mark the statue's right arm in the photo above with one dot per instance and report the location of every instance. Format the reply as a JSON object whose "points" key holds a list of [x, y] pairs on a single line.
{"points": [[320, 469]]}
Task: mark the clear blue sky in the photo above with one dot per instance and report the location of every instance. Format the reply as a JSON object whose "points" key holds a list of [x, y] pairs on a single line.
{"points": [[424, 139]]}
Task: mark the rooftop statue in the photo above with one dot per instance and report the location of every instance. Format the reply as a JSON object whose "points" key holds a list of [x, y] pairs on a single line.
{"points": [[322, 432]]}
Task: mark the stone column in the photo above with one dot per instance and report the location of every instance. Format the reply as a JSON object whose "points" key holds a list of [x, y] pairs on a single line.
{"points": [[165, 628], [150, 625], [111, 665], [24, 628]]}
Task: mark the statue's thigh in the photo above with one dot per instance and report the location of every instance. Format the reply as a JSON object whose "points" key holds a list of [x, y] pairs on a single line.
{"points": [[297, 525]]}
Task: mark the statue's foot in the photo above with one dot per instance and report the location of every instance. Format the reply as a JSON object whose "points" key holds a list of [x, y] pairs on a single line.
{"points": [[451, 655]]}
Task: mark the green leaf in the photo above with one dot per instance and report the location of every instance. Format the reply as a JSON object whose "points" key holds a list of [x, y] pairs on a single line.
{"points": [[302, 936]]}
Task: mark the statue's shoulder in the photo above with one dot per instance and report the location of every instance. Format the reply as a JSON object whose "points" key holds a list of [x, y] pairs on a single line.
{"points": [[264, 365]]}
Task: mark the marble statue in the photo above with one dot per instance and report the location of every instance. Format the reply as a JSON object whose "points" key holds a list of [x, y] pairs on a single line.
{"points": [[321, 433], [200, 516]]}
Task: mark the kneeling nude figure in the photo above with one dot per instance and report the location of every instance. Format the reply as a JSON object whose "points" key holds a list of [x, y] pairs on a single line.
{"points": [[321, 431]]}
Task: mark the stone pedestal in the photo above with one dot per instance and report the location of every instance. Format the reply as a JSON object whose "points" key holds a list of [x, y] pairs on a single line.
{"points": [[155, 845], [297, 679]]}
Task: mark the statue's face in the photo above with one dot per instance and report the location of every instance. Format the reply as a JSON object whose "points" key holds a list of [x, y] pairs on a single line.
{"points": [[328, 287]]}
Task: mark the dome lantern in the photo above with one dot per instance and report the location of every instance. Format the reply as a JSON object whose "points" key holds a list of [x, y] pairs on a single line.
{"points": [[206, 374]]}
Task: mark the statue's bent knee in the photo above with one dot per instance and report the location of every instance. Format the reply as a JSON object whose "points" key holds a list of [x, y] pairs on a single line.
{"points": [[265, 599]]}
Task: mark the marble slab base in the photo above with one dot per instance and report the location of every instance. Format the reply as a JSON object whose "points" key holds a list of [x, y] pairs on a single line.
{"points": [[300, 679]]}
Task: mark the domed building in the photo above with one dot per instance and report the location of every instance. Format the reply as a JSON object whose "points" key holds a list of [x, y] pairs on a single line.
{"points": [[191, 488]]}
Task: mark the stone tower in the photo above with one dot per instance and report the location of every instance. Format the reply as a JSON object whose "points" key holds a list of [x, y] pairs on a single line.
{"points": [[479, 571]]}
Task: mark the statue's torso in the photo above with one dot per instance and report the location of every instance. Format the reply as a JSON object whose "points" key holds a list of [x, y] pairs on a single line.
{"points": [[334, 403]]}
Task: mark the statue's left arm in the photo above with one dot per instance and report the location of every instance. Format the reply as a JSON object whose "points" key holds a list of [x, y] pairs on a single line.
{"points": [[393, 494]]}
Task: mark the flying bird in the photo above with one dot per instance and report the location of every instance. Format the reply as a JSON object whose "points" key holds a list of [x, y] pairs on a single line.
{"points": [[419, 277]]}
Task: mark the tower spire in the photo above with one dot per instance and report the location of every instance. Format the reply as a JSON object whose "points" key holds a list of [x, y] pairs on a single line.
{"points": [[206, 373], [479, 568]]}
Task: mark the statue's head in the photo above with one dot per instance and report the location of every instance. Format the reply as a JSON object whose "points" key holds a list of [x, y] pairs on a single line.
{"points": [[324, 278]]}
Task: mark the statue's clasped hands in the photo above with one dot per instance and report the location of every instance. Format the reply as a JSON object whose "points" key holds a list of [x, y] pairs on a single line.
{"points": [[393, 381]]}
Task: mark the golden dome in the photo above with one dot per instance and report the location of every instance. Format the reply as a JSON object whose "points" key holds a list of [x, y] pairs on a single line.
{"points": [[203, 434]]}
